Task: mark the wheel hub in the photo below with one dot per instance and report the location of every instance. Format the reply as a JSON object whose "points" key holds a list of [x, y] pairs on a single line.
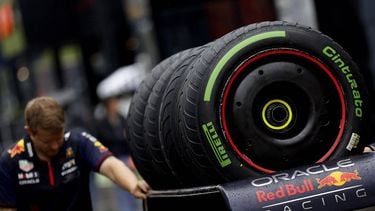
{"points": [[277, 115]]}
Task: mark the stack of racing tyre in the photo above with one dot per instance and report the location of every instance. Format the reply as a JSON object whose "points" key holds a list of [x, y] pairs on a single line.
{"points": [[262, 98]]}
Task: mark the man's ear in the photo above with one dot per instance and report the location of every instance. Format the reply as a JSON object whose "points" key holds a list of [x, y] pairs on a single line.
{"points": [[29, 130]]}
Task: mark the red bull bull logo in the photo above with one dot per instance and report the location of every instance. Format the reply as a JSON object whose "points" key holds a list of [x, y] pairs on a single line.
{"points": [[69, 152], [338, 178], [17, 149]]}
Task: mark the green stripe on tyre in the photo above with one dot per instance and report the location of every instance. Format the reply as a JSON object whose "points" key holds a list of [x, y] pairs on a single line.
{"points": [[233, 51]]}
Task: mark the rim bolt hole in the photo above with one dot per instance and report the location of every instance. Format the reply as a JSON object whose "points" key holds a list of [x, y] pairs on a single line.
{"points": [[325, 122], [326, 101], [299, 70], [238, 104], [260, 72]]}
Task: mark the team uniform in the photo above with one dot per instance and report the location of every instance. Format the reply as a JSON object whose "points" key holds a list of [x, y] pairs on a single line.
{"points": [[28, 183]]}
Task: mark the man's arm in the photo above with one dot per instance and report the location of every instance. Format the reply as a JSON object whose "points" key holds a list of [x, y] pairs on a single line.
{"points": [[120, 174]]}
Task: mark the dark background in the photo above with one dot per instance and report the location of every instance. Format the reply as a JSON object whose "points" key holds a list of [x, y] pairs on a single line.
{"points": [[65, 48]]}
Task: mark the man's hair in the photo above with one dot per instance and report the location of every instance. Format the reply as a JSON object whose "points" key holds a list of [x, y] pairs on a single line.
{"points": [[44, 113]]}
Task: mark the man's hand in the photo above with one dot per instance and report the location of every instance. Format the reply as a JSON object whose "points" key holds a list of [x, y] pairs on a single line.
{"points": [[120, 174], [141, 189]]}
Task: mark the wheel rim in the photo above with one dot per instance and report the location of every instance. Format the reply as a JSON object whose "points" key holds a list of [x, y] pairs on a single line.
{"points": [[282, 108]]}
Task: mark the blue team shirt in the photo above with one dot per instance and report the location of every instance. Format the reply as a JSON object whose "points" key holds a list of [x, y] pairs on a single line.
{"points": [[28, 183]]}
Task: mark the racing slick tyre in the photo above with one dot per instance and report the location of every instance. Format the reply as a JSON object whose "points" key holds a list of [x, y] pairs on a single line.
{"points": [[267, 97]]}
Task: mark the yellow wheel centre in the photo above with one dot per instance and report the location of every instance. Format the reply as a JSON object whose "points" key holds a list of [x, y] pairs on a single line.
{"points": [[277, 114]]}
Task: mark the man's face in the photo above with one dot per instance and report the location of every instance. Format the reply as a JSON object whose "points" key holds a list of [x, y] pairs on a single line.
{"points": [[47, 144]]}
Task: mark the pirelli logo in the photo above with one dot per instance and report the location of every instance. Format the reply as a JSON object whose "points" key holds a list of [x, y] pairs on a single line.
{"points": [[216, 144]]}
